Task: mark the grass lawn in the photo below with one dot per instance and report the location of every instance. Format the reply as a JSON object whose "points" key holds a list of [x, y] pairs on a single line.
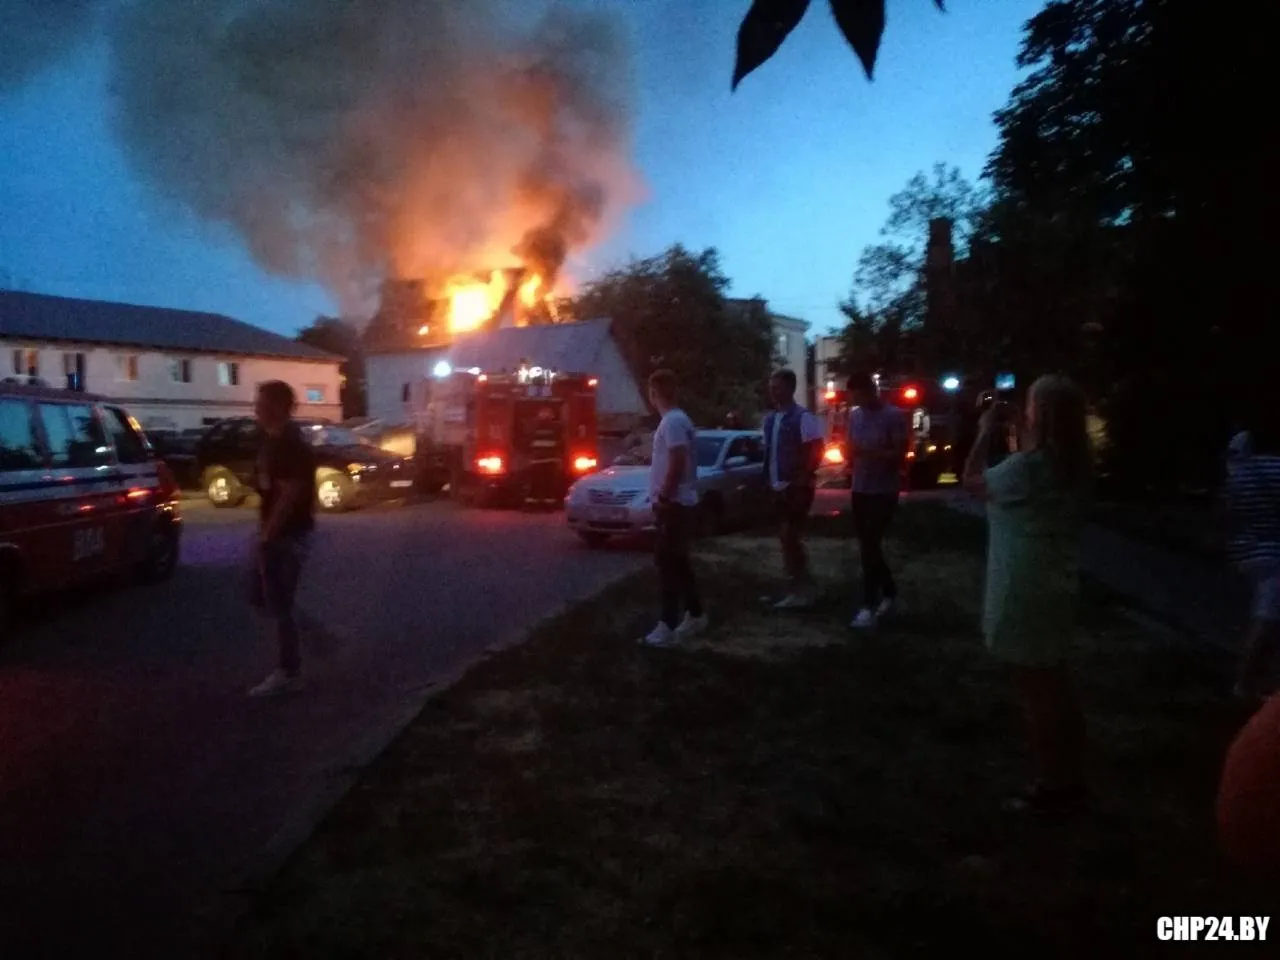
{"points": [[783, 789]]}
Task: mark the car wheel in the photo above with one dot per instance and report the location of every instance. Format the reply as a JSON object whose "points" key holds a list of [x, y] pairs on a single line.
{"points": [[161, 557], [593, 539], [223, 489], [333, 492]]}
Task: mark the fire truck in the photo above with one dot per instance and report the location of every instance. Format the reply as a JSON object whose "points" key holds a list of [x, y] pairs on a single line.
{"points": [[503, 437], [927, 457]]}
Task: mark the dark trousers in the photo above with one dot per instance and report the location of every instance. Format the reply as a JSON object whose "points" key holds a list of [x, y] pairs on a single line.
{"points": [[675, 569], [872, 513], [793, 506], [279, 568]]}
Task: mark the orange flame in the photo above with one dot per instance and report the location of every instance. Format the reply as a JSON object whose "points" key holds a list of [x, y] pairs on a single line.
{"points": [[530, 291], [472, 303]]}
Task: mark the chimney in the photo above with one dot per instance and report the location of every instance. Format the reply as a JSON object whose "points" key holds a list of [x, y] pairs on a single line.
{"points": [[939, 271]]}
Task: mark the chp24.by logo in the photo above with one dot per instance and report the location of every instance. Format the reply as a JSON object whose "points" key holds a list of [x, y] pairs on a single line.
{"points": [[1212, 928]]}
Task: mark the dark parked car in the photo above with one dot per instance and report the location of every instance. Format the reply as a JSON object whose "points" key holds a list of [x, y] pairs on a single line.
{"points": [[178, 451], [350, 470]]}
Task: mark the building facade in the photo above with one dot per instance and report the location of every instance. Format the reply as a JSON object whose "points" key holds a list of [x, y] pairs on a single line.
{"points": [[172, 369]]}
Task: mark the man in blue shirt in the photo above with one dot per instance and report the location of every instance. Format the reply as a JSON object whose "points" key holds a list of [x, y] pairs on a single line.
{"points": [[878, 441], [793, 450]]}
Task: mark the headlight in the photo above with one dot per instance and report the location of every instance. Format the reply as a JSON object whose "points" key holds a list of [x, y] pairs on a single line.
{"points": [[355, 468]]}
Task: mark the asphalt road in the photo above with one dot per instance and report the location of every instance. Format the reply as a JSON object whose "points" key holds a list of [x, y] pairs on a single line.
{"points": [[140, 788]]}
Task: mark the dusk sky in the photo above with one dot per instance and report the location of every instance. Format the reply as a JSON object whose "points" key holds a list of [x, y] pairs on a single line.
{"points": [[788, 177]]}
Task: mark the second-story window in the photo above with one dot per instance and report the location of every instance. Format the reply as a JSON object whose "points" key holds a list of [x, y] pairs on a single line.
{"points": [[26, 363], [127, 366], [180, 370], [228, 374]]}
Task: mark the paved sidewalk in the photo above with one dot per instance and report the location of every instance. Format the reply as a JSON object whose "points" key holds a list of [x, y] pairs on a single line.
{"points": [[1208, 601]]}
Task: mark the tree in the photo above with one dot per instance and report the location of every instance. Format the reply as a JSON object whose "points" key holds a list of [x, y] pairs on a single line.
{"points": [[670, 311], [1162, 209], [768, 23], [337, 336]]}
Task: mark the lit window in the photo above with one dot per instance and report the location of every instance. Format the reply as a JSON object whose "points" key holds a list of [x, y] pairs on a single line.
{"points": [[26, 363], [315, 394], [228, 374], [127, 366], [73, 368]]}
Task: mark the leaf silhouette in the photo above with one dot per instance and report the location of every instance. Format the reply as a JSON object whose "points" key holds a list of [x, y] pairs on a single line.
{"points": [[862, 23], [763, 29]]}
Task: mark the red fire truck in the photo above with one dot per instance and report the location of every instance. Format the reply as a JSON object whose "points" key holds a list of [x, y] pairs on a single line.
{"points": [[505, 436]]}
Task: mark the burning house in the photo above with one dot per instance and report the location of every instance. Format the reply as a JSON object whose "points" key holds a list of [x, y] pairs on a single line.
{"points": [[495, 325]]}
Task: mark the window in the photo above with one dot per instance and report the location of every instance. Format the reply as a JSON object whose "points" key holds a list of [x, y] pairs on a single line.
{"points": [[315, 394], [26, 363], [131, 446], [404, 393], [180, 371], [18, 449], [228, 374], [73, 368], [75, 436], [755, 450], [737, 448], [127, 366]]}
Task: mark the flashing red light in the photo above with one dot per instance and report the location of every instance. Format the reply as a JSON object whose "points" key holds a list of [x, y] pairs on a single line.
{"points": [[833, 454], [593, 382], [911, 454], [584, 464], [830, 394], [910, 393], [483, 377], [490, 465]]}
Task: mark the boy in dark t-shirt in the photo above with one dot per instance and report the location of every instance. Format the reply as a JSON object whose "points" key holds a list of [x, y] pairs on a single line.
{"points": [[285, 479]]}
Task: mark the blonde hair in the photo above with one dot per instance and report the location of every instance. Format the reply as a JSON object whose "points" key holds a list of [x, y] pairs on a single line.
{"points": [[1059, 429]]}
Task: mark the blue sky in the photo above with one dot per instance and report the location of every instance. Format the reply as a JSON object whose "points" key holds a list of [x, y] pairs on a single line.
{"points": [[788, 177]]}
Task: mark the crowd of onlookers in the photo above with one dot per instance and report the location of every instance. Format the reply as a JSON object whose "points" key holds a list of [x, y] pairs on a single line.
{"points": [[1033, 467]]}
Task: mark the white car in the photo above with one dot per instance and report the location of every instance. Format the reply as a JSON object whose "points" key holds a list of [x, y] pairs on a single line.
{"points": [[731, 488]]}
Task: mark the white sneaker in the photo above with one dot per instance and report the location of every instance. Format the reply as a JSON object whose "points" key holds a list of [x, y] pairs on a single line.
{"points": [[660, 636], [691, 626], [277, 682], [794, 601], [887, 606], [865, 620]]}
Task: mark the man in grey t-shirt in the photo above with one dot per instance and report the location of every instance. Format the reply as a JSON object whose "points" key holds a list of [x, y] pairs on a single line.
{"points": [[878, 440]]}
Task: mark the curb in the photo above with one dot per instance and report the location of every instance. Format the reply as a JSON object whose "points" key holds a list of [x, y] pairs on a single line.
{"points": [[236, 899]]}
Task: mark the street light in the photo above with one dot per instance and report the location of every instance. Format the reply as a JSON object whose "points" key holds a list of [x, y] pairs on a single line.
{"points": [[951, 384]]}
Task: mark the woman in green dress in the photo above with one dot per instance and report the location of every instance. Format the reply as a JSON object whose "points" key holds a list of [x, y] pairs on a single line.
{"points": [[1035, 505]]}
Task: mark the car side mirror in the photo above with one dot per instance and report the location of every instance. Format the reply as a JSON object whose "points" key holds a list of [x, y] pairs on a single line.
{"points": [[735, 462]]}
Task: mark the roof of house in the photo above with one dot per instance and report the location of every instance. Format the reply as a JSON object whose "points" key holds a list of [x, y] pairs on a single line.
{"points": [[568, 347], [37, 316]]}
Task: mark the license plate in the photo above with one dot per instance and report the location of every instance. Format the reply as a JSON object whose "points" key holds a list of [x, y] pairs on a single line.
{"points": [[610, 514], [402, 483], [86, 543]]}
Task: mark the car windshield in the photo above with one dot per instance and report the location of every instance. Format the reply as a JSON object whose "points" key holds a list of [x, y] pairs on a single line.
{"points": [[324, 436], [706, 453]]}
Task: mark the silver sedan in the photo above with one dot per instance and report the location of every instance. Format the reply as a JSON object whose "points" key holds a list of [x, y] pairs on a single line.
{"points": [[731, 488]]}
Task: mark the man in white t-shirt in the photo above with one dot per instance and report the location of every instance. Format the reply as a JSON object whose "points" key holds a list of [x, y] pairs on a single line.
{"points": [[673, 475]]}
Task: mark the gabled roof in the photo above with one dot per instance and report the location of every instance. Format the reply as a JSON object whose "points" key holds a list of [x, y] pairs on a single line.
{"points": [[568, 347], [39, 317]]}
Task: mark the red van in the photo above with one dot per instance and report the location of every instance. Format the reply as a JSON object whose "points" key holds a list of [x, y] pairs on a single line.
{"points": [[81, 494]]}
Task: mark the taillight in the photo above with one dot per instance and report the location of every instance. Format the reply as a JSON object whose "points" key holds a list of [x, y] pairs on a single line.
{"points": [[584, 464], [833, 454], [490, 465]]}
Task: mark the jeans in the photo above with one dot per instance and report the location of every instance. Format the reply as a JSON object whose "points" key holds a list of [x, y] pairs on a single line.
{"points": [[793, 505], [871, 515], [274, 586], [675, 570]]}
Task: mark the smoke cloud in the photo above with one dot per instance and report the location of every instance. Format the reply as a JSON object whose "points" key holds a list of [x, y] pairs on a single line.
{"points": [[351, 140], [35, 33]]}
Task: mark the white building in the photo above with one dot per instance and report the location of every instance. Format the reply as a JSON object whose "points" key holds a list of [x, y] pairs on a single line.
{"points": [[393, 365], [790, 344], [825, 351], [172, 369]]}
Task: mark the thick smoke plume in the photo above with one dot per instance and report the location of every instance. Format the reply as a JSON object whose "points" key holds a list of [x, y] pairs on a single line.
{"points": [[350, 140], [35, 33]]}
